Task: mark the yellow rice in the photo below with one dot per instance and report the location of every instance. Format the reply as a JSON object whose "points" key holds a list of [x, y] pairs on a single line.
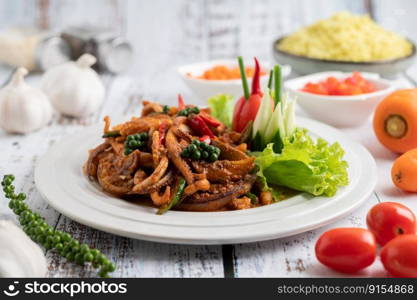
{"points": [[346, 37]]}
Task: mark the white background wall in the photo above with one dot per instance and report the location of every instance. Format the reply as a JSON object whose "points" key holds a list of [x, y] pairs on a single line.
{"points": [[190, 30], [167, 33]]}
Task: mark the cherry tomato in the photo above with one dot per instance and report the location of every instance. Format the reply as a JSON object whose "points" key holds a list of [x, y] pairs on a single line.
{"points": [[346, 250], [389, 219], [352, 85], [331, 85], [399, 256], [315, 88]]}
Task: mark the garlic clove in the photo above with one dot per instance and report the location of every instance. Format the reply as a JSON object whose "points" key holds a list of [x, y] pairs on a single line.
{"points": [[23, 108], [74, 88], [19, 255]]}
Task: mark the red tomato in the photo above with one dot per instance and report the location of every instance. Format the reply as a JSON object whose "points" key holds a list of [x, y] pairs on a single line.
{"points": [[331, 84], [315, 88], [399, 256], [355, 79], [343, 90], [389, 219], [346, 250], [352, 85]]}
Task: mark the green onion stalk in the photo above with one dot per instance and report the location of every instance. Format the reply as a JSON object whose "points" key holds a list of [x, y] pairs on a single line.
{"points": [[278, 84]]}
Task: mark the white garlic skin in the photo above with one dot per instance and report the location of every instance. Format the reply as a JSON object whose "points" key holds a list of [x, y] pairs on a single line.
{"points": [[23, 108], [73, 88], [19, 255]]}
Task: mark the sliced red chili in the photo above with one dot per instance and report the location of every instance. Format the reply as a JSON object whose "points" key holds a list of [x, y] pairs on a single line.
{"points": [[210, 121], [206, 139], [181, 103], [197, 123], [162, 132], [256, 80]]}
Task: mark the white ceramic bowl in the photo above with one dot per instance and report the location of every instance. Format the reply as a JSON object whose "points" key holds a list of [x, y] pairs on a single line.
{"points": [[340, 111], [208, 88]]}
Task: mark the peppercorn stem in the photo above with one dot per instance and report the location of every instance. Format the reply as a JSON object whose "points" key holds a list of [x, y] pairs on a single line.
{"points": [[40, 232], [244, 79]]}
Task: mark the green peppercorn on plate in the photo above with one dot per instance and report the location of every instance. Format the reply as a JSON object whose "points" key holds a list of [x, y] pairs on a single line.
{"points": [[60, 180]]}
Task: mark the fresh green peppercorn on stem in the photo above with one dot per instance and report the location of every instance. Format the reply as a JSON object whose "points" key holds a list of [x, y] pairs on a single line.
{"points": [[189, 110], [198, 150], [48, 237], [136, 141]]}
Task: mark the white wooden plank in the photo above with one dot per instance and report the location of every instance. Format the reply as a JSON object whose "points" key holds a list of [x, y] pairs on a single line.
{"points": [[135, 258], [398, 16], [294, 256], [21, 12], [103, 13]]}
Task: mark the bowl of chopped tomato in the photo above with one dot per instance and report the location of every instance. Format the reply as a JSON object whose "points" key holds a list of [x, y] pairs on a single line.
{"points": [[337, 98], [209, 78]]}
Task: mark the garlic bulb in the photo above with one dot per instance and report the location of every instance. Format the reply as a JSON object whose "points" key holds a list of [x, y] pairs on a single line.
{"points": [[19, 256], [74, 88], [23, 108]]}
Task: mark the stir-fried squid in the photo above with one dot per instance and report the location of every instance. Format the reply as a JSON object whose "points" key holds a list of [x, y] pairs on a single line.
{"points": [[152, 155]]}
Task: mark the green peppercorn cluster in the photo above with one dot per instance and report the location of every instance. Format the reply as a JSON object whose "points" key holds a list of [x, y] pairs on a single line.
{"points": [[40, 232], [200, 150], [189, 110], [136, 141]]}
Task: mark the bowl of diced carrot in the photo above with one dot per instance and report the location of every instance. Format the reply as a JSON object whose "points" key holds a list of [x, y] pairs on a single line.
{"points": [[209, 78], [337, 98]]}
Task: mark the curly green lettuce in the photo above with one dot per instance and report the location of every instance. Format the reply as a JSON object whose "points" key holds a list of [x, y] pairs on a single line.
{"points": [[304, 165], [221, 107]]}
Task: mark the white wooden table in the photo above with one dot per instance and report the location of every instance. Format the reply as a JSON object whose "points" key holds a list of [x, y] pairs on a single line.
{"points": [[287, 257]]}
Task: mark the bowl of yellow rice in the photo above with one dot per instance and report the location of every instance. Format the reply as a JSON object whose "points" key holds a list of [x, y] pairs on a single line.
{"points": [[345, 42]]}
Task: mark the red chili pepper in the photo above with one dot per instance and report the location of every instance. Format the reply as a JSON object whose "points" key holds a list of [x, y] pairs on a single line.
{"points": [[247, 106], [197, 123], [206, 139], [162, 132], [181, 103], [209, 120], [256, 80]]}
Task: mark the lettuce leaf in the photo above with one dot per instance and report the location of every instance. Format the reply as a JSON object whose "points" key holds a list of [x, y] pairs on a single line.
{"points": [[221, 107], [304, 165]]}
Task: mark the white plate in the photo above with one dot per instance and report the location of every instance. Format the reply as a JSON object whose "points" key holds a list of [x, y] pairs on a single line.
{"points": [[60, 180]]}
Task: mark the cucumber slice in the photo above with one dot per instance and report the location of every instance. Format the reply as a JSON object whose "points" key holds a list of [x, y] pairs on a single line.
{"points": [[262, 117]]}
